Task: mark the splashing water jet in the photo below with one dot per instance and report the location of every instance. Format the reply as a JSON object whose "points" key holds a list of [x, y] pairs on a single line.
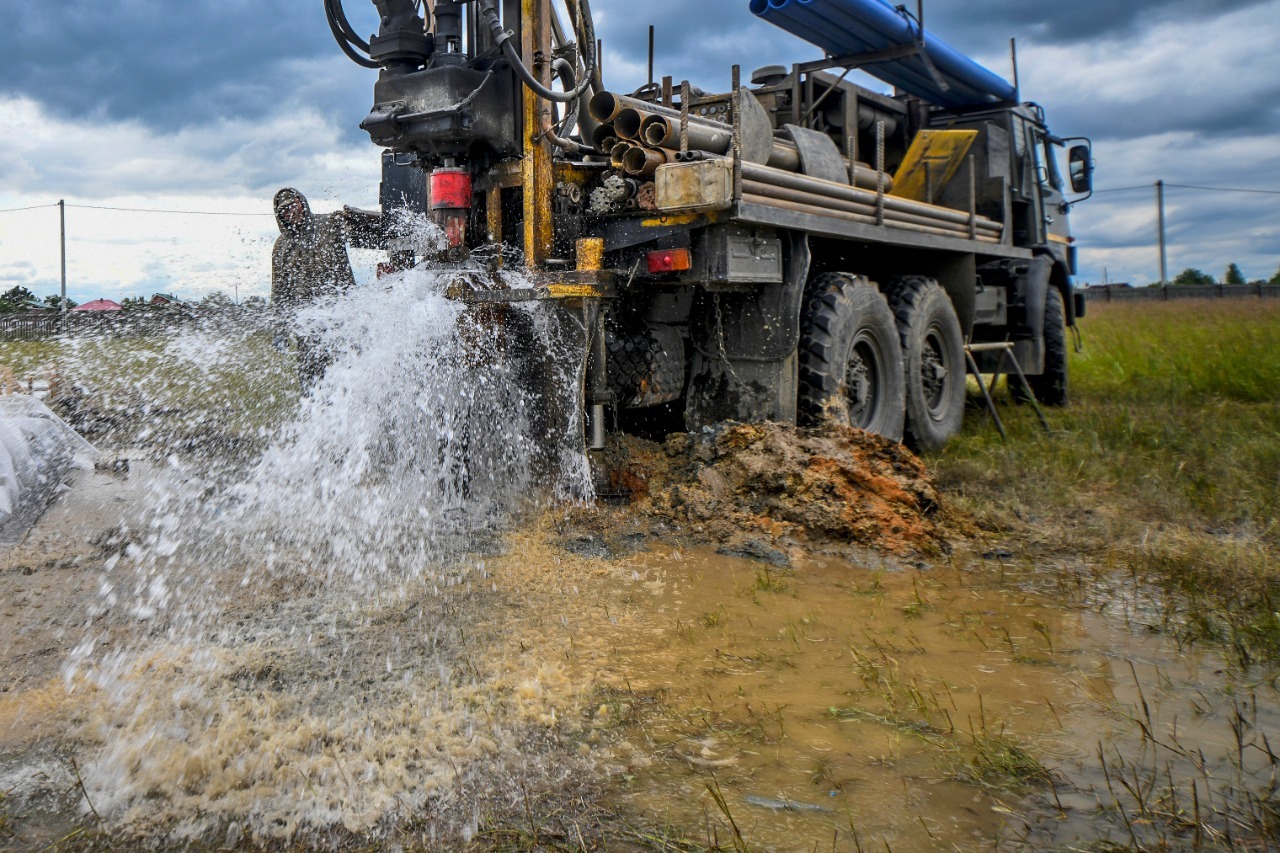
{"points": [[285, 650]]}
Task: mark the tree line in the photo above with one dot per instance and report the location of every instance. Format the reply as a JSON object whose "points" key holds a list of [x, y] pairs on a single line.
{"points": [[18, 299], [1233, 275]]}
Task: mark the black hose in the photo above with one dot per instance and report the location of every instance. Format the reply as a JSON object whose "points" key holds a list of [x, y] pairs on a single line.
{"points": [[345, 36], [349, 31], [565, 71], [503, 39]]}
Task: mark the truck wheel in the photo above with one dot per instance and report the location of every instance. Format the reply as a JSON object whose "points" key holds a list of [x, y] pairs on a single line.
{"points": [[1049, 387], [850, 361], [933, 360]]}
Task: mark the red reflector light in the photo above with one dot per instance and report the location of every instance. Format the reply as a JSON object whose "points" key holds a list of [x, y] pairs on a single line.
{"points": [[670, 260], [450, 189]]}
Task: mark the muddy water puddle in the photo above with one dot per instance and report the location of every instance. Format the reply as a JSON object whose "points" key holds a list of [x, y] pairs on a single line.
{"points": [[839, 706], [836, 704]]}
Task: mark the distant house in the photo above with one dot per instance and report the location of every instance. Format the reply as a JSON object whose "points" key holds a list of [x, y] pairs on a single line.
{"points": [[98, 305], [165, 299]]}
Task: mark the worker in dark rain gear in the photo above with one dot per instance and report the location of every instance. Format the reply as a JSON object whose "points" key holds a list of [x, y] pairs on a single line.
{"points": [[309, 261]]}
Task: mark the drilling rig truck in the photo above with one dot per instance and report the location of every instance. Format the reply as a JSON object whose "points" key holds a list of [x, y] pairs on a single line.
{"points": [[794, 249]]}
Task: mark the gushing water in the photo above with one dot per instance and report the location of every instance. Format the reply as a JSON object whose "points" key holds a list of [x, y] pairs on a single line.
{"points": [[281, 644]]}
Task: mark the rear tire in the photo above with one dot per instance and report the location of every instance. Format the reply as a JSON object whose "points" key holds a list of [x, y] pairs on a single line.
{"points": [[933, 360], [1050, 387], [850, 359]]}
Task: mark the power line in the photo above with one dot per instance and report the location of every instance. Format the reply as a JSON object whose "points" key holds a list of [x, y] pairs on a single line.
{"points": [[32, 207], [1124, 189], [1222, 189], [157, 210], [1185, 187], [137, 210]]}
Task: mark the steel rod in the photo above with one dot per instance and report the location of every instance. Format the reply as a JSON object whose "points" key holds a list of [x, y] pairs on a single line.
{"points": [[879, 173], [859, 208], [770, 191], [816, 210], [685, 94], [818, 186], [737, 133]]}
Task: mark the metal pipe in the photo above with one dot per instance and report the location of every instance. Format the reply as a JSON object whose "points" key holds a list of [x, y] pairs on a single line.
{"points": [[643, 162], [814, 210], [818, 186], [619, 152], [868, 212], [863, 174], [662, 131], [627, 124], [601, 136], [606, 106]]}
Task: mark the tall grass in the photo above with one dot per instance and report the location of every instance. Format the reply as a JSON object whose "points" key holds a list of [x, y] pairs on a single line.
{"points": [[218, 382], [1166, 465]]}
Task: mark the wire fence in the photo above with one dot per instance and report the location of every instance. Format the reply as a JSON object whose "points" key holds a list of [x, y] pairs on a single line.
{"points": [[1171, 292], [38, 325]]}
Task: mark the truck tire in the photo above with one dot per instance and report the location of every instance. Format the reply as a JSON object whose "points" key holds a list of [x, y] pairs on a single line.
{"points": [[645, 366], [932, 359], [1050, 387], [850, 360]]}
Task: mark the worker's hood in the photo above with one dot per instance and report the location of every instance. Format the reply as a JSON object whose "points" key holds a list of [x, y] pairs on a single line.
{"points": [[285, 199]]}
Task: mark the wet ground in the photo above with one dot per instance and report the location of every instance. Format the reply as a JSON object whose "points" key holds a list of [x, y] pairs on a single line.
{"points": [[316, 622], [865, 701]]}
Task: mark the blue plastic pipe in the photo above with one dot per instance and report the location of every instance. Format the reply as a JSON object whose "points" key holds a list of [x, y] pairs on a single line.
{"points": [[844, 27], [836, 39]]}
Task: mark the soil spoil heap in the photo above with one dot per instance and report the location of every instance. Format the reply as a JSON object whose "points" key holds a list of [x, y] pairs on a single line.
{"points": [[818, 488]]}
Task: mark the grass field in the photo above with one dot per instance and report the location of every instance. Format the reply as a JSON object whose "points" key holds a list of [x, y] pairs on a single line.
{"points": [[216, 383], [1165, 468]]}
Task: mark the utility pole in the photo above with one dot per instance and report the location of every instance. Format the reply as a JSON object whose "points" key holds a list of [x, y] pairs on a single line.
{"points": [[1164, 258], [62, 219]]}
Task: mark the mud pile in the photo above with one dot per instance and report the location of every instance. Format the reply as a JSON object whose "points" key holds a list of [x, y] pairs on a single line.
{"points": [[822, 487]]}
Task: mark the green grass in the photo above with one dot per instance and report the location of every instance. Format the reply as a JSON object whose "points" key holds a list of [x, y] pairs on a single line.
{"points": [[1166, 465], [170, 391]]}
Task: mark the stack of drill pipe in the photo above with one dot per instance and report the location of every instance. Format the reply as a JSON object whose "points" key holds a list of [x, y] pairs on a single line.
{"points": [[653, 131], [803, 194], [848, 27]]}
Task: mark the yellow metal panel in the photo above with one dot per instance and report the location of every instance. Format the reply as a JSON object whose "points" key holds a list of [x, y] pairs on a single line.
{"points": [[678, 219], [591, 254], [931, 162], [538, 175], [573, 291]]}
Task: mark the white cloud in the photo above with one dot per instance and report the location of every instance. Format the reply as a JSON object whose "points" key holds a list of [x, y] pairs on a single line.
{"points": [[1185, 102], [227, 166]]}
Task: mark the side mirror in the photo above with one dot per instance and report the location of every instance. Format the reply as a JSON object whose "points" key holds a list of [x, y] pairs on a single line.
{"points": [[1080, 165]]}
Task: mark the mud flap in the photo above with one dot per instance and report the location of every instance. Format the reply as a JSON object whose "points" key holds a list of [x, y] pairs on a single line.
{"points": [[745, 365], [1033, 288]]}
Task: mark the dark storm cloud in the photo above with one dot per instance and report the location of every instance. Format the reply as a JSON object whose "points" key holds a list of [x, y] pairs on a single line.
{"points": [[706, 37], [167, 64], [970, 24]]}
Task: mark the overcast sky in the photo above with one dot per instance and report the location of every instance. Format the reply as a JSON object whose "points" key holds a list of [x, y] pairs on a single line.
{"points": [[211, 105]]}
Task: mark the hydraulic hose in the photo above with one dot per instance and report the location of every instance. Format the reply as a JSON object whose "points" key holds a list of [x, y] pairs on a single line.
{"points": [[334, 7], [565, 71], [345, 35], [503, 39]]}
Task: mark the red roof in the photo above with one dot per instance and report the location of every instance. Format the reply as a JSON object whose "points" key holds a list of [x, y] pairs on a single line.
{"points": [[98, 305]]}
